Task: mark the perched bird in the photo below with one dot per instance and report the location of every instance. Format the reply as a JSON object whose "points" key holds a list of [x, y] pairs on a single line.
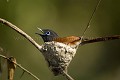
{"points": [[59, 50], [49, 35]]}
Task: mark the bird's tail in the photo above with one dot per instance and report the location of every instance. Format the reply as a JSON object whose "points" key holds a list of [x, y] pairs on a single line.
{"points": [[99, 39]]}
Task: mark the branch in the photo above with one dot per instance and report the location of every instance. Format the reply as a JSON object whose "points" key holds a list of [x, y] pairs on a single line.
{"points": [[67, 76], [20, 32], [18, 65], [40, 48]]}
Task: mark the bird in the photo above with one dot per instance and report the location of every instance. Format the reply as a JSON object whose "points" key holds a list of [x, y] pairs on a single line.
{"points": [[63, 50], [49, 35]]}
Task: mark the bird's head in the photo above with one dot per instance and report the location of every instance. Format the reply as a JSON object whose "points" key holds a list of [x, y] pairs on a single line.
{"points": [[47, 35]]}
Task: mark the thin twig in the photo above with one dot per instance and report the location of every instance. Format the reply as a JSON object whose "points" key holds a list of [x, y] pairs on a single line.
{"points": [[20, 32], [91, 18], [18, 65], [67, 76]]}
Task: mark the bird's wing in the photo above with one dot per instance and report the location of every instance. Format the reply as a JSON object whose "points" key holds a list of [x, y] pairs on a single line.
{"points": [[68, 40]]}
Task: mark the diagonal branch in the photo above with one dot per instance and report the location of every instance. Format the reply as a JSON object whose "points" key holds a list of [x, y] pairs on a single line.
{"points": [[24, 35], [20, 32], [39, 47], [20, 66]]}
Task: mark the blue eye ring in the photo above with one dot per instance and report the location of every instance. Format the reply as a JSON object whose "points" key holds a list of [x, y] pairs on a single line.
{"points": [[47, 33]]}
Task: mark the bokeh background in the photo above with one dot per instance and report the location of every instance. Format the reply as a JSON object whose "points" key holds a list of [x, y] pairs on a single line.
{"points": [[97, 61]]}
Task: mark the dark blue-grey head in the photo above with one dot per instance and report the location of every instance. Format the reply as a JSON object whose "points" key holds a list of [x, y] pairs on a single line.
{"points": [[47, 35]]}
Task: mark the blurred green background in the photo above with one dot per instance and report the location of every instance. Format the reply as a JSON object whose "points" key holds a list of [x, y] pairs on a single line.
{"points": [[98, 61]]}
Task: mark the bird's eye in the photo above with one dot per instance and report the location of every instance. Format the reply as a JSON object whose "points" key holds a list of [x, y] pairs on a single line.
{"points": [[48, 33]]}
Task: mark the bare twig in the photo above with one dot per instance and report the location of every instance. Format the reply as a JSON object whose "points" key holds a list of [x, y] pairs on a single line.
{"points": [[24, 35], [20, 32], [67, 76], [91, 18], [18, 65]]}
